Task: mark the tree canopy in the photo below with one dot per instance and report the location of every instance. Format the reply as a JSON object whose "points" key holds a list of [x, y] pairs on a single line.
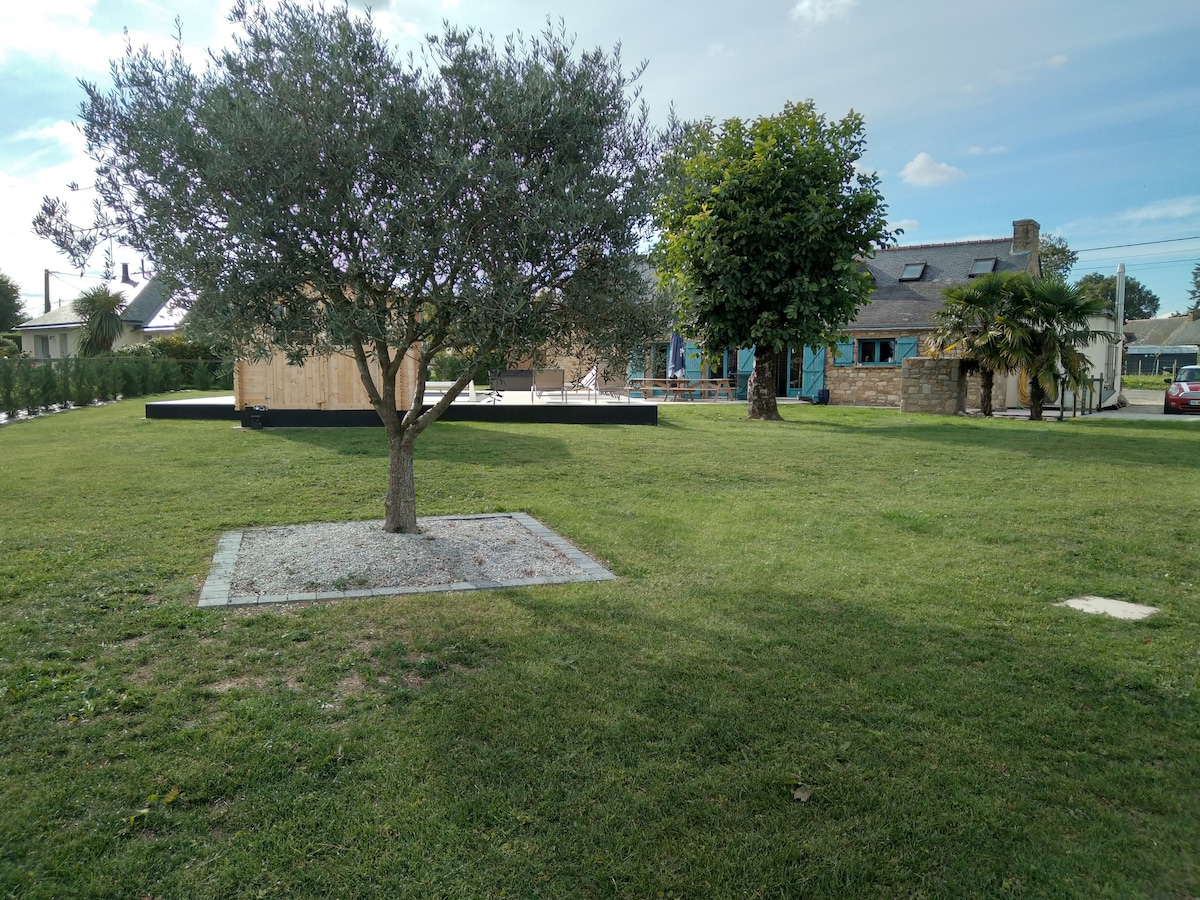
{"points": [[1046, 324], [1194, 290], [311, 192], [762, 224], [1140, 301], [971, 324], [1057, 258], [12, 312], [1010, 321]]}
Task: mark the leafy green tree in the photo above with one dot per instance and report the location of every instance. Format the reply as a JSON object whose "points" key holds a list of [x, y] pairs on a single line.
{"points": [[315, 193], [100, 309], [761, 225], [1140, 301], [12, 312], [1194, 290], [971, 324], [1057, 258], [1045, 325]]}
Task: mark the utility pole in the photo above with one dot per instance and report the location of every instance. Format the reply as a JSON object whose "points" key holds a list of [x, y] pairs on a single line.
{"points": [[46, 289]]}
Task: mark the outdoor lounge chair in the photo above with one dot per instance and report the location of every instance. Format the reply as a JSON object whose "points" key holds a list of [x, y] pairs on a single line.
{"points": [[501, 380], [549, 381], [615, 386]]}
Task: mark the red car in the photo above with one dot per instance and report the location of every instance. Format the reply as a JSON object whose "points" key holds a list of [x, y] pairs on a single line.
{"points": [[1183, 395]]}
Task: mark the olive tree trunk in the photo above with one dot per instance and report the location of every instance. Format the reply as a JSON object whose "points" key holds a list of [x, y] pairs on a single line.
{"points": [[400, 501], [760, 392]]}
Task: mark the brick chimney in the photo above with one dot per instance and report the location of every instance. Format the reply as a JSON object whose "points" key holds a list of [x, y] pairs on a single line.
{"points": [[1027, 237], [125, 279]]}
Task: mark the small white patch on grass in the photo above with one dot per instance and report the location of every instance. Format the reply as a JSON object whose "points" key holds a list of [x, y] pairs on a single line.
{"points": [[1102, 606]]}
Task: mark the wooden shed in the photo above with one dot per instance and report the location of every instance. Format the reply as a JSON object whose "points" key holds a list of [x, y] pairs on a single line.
{"points": [[322, 383]]}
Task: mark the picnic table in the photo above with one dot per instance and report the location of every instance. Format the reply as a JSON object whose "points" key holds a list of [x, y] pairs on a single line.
{"points": [[685, 388]]}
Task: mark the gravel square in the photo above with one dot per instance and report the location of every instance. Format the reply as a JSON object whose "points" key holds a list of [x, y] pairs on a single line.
{"points": [[338, 560]]}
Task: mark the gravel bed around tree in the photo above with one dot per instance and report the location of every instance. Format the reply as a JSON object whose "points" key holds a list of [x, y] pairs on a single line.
{"points": [[361, 555]]}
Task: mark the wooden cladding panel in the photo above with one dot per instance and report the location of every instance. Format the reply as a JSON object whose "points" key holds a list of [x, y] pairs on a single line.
{"points": [[330, 382]]}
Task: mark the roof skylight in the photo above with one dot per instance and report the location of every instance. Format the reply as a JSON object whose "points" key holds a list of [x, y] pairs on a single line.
{"points": [[912, 271], [984, 266]]}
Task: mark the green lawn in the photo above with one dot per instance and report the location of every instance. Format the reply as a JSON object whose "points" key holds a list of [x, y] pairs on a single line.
{"points": [[858, 598]]}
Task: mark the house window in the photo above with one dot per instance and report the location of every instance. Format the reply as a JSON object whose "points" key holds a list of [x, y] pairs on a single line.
{"points": [[64, 346], [875, 351], [982, 267], [43, 346], [912, 271], [881, 351]]}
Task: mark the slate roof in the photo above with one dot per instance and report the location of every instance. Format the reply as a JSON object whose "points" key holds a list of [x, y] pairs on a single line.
{"points": [[145, 302], [1172, 332], [910, 304]]}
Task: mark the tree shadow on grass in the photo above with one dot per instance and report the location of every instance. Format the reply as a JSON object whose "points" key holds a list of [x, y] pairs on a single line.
{"points": [[1132, 444], [999, 748], [455, 442]]}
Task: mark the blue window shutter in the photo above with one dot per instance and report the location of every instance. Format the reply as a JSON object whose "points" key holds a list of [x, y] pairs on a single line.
{"points": [[843, 355], [906, 347]]}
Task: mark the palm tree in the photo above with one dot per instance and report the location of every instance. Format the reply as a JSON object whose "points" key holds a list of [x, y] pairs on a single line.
{"points": [[1046, 324], [101, 311], [970, 324]]}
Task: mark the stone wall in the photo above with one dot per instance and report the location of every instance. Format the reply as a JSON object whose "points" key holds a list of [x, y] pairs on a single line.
{"points": [[870, 385], [931, 386]]}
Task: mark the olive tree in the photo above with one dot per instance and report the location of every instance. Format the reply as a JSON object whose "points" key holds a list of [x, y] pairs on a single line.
{"points": [[762, 225], [311, 192]]}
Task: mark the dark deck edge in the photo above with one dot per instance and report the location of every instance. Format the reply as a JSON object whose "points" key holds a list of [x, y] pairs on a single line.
{"points": [[606, 414]]}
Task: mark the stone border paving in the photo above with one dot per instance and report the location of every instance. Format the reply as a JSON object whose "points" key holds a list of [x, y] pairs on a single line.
{"points": [[217, 590]]}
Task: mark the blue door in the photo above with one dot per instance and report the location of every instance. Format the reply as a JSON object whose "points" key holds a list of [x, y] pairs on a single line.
{"points": [[813, 373]]}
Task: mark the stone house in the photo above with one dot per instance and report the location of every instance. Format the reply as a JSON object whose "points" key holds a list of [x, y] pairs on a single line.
{"points": [[866, 370]]}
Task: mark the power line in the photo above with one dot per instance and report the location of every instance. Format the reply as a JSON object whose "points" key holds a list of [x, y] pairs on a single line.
{"points": [[1195, 237]]}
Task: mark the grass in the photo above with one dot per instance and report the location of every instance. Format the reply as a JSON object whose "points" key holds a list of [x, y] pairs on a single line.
{"points": [[855, 600], [1145, 382]]}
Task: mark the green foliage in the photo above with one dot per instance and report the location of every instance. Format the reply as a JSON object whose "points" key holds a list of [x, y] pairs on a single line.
{"points": [[1140, 301], [1142, 382], [489, 200], [1010, 320], [35, 386], [100, 309], [1045, 328], [8, 348], [12, 311], [971, 324], [1057, 259], [761, 227], [1194, 290]]}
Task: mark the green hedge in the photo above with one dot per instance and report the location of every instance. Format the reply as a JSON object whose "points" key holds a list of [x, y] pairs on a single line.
{"points": [[36, 385]]}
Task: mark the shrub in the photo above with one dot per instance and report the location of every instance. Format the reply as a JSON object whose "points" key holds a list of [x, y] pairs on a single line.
{"points": [[202, 381], [45, 391], [8, 387]]}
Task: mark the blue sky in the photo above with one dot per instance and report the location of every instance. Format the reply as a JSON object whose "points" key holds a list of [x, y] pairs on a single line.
{"points": [[1082, 114]]}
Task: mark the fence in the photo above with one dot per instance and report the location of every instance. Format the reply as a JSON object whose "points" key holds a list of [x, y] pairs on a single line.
{"points": [[37, 385]]}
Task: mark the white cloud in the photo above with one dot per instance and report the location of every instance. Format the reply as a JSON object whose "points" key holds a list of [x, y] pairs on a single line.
{"points": [[924, 171], [1029, 71], [1187, 207], [908, 225], [986, 151], [818, 12]]}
